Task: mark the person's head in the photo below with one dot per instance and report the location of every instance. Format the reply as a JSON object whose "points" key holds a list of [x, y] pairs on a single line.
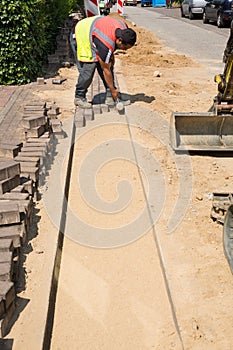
{"points": [[125, 38]]}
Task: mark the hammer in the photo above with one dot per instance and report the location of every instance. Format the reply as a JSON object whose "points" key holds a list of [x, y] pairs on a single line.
{"points": [[119, 105]]}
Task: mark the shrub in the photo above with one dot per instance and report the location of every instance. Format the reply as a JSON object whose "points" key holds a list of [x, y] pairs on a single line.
{"points": [[28, 32]]}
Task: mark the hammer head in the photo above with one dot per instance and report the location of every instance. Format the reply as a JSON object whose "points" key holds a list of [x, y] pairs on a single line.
{"points": [[119, 105]]}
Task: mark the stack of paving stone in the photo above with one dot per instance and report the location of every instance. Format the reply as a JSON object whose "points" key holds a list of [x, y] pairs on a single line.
{"points": [[41, 128], [23, 168], [15, 217]]}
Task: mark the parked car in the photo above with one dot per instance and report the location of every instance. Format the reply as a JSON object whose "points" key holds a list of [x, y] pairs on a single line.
{"points": [[192, 8], [130, 2], [218, 11], [146, 3]]}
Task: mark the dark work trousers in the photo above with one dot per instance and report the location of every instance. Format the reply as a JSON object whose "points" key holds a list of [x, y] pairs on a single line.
{"points": [[86, 74]]}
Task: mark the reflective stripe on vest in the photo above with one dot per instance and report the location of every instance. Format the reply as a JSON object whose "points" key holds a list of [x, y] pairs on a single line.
{"points": [[104, 29], [100, 27]]}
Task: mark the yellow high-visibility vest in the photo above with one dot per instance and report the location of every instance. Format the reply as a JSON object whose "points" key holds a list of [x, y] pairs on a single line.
{"points": [[83, 39]]}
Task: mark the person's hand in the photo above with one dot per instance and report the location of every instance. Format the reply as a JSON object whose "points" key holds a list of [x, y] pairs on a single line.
{"points": [[115, 94]]}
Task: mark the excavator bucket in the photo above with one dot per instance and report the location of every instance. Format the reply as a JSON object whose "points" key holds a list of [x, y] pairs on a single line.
{"points": [[201, 132], [213, 130]]}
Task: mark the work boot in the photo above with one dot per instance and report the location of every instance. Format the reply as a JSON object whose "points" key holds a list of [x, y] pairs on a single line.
{"points": [[109, 101], [81, 102]]}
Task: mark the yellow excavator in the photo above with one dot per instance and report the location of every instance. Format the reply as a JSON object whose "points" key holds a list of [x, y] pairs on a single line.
{"points": [[212, 130]]}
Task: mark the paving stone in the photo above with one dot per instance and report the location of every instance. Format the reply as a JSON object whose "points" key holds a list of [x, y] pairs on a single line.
{"points": [[97, 109], [31, 173], [18, 189], [56, 125], [24, 205], [6, 270], [33, 122], [28, 159], [79, 118], [105, 108], [33, 151], [5, 322], [40, 81], [24, 165], [2, 309], [9, 168], [53, 111], [9, 184], [35, 107], [38, 104], [28, 186], [14, 196], [39, 145], [5, 257], [53, 59], [9, 212], [6, 244], [35, 132], [8, 151], [88, 114], [7, 292], [15, 232], [28, 114]]}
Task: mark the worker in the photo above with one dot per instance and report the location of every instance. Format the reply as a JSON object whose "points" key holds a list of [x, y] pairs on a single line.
{"points": [[97, 38]]}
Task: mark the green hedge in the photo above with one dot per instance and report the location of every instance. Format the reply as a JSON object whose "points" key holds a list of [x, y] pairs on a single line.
{"points": [[28, 30]]}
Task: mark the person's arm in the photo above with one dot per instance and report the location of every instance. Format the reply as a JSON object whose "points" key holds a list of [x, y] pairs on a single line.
{"points": [[108, 76]]}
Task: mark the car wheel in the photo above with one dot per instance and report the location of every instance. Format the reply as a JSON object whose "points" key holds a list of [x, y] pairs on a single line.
{"points": [[219, 21], [182, 13], [191, 16], [205, 20]]}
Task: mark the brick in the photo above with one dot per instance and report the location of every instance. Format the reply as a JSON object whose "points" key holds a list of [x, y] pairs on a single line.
{"points": [[14, 196], [7, 292], [24, 165], [6, 270], [8, 169], [2, 309], [33, 122], [28, 186], [15, 232], [31, 173], [35, 132], [33, 151], [28, 114], [47, 143], [53, 110], [31, 107], [33, 154], [105, 108], [53, 59], [9, 184], [97, 109], [39, 145], [6, 244], [9, 213], [5, 257], [56, 126], [27, 159], [24, 205], [5, 322], [9, 151], [79, 118], [38, 104], [40, 81]]}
